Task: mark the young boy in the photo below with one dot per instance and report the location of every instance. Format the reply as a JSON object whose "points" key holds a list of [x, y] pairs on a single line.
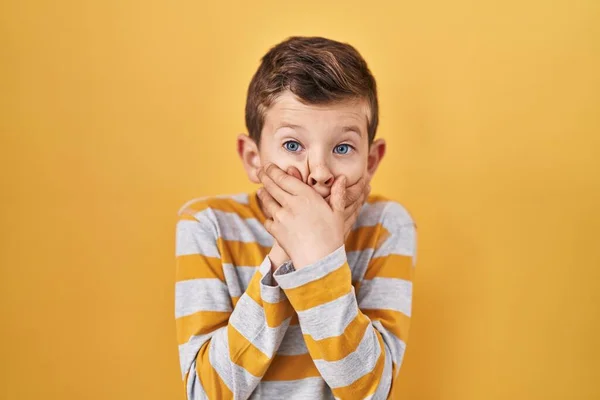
{"points": [[303, 289]]}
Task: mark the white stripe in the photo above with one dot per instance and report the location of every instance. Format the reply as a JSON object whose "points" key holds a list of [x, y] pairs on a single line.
{"points": [[238, 278], [188, 351], [252, 325], [196, 237], [218, 356], [207, 294], [385, 382], [355, 365], [386, 294], [301, 389], [233, 227], [329, 319], [394, 343], [293, 343], [370, 214], [358, 261]]}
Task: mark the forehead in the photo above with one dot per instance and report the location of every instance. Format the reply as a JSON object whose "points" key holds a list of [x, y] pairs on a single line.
{"points": [[288, 108]]}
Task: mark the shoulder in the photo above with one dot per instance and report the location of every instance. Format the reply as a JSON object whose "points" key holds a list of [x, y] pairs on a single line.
{"points": [[395, 226], [207, 207], [380, 209]]}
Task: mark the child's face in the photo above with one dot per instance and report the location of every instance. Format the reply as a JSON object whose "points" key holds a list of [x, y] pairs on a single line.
{"points": [[321, 141]]}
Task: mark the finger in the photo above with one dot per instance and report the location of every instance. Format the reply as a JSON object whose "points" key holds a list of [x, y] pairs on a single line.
{"points": [[293, 171], [338, 191], [280, 195], [270, 206], [354, 191], [286, 182]]}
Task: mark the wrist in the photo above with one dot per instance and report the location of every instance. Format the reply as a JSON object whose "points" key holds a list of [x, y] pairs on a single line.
{"points": [[315, 253], [277, 256]]}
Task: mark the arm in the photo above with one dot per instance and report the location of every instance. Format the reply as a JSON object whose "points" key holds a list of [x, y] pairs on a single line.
{"points": [[357, 341], [224, 351]]}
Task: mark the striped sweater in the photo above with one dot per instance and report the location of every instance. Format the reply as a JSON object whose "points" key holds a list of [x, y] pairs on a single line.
{"points": [[333, 329]]}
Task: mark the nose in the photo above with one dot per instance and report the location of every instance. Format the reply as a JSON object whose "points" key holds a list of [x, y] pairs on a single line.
{"points": [[320, 175]]}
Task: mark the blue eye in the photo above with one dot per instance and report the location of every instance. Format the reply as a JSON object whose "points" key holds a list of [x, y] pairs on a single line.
{"points": [[292, 145], [343, 148]]}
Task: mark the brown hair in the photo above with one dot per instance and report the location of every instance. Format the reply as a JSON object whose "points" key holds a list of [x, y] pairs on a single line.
{"points": [[317, 71]]}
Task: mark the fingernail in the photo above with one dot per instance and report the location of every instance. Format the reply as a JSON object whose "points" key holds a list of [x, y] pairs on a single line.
{"points": [[259, 191]]}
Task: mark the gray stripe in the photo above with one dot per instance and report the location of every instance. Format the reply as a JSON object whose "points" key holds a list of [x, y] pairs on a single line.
{"points": [[196, 295], [301, 389], [195, 391], [196, 237], [189, 351], [293, 343], [234, 227], [394, 343], [385, 382], [312, 272], [250, 322], [329, 319], [358, 261], [370, 214], [238, 278], [355, 365], [237, 379], [386, 294], [401, 242], [218, 356]]}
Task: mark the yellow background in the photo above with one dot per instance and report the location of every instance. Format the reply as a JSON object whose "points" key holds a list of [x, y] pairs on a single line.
{"points": [[114, 113]]}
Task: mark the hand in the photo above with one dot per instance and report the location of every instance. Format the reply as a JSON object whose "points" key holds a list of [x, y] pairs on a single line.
{"points": [[354, 198], [277, 255], [303, 223]]}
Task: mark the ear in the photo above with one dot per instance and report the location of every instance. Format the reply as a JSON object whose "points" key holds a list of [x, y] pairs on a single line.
{"points": [[376, 153], [248, 152]]}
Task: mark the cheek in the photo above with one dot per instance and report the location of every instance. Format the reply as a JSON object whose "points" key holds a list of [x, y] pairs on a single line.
{"points": [[284, 160], [353, 170]]}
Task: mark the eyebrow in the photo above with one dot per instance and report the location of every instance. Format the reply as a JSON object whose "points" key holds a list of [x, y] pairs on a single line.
{"points": [[344, 129], [352, 128]]}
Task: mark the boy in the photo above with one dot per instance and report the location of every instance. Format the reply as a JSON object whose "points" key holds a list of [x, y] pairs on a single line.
{"points": [[303, 289]]}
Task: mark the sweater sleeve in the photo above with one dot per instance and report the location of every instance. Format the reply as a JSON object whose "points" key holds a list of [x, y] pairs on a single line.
{"points": [[357, 340], [224, 350]]}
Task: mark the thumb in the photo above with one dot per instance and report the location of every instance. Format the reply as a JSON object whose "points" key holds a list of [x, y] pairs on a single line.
{"points": [[294, 172], [338, 194]]}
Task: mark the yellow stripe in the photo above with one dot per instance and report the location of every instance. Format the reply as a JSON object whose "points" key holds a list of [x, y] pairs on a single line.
{"points": [[246, 254], [199, 323], [211, 382], [321, 291], [275, 313], [392, 266], [367, 384], [289, 368], [366, 237], [245, 354], [393, 321], [220, 204], [197, 266], [337, 347], [375, 198]]}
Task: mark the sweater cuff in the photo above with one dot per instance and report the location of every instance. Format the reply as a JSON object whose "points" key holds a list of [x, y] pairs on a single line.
{"points": [[288, 277], [269, 288]]}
